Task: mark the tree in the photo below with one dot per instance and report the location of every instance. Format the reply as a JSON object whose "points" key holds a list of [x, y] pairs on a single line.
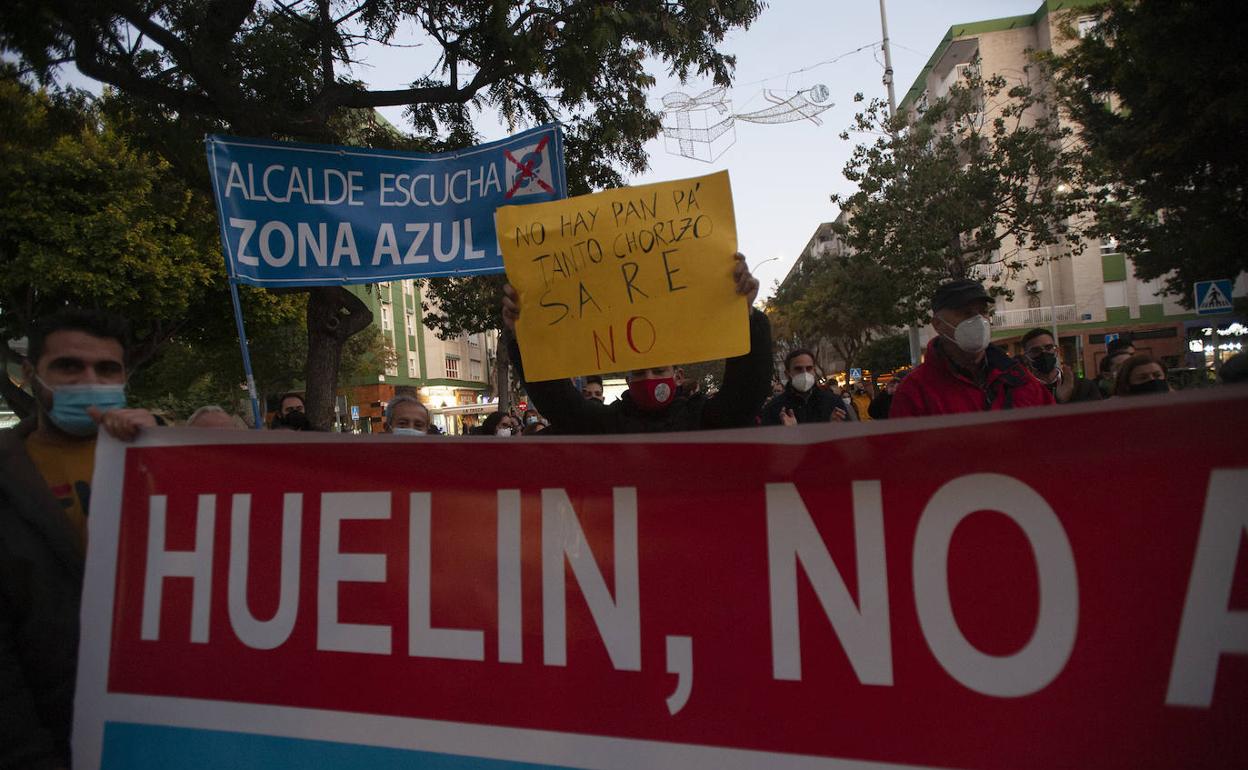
{"points": [[282, 70], [88, 219], [185, 376], [1160, 94], [884, 354], [973, 180], [707, 375], [843, 301]]}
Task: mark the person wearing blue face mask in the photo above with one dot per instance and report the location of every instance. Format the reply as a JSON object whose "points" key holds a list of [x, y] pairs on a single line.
{"points": [[77, 372], [962, 370], [406, 416]]}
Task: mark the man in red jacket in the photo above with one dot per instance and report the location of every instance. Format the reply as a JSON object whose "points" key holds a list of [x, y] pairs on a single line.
{"points": [[962, 371]]}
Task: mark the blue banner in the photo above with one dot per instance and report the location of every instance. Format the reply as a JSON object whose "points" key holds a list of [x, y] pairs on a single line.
{"points": [[316, 215]]}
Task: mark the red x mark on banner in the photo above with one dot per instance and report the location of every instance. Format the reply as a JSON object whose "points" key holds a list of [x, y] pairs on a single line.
{"points": [[527, 169]]}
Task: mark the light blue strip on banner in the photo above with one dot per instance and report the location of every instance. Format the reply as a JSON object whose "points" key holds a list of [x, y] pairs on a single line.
{"points": [[129, 746]]}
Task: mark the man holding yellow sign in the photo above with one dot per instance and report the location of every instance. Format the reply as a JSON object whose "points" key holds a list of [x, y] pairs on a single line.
{"points": [[638, 280]]}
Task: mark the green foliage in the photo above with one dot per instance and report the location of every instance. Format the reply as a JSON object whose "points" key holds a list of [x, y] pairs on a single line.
{"points": [[884, 354], [88, 220], [1161, 94], [840, 300], [185, 376], [709, 375], [454, 306], [281, 71], [365, 354], [973, 180]]}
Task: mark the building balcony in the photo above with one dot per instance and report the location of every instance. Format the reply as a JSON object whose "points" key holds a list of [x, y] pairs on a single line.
{"points": [[1033, 316]]}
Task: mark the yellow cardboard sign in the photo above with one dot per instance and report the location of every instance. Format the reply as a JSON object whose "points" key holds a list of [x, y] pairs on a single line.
{"points": [[631, 278]]}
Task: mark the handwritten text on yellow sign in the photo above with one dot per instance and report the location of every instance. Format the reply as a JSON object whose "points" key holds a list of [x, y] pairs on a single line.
{"points": [[629, 278]]}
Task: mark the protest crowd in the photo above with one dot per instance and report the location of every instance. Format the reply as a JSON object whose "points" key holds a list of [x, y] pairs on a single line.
{"points": [[77, 370]]}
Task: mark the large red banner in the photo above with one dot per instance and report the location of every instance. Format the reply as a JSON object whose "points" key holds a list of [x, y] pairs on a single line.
{"points": [[1055, 588]]}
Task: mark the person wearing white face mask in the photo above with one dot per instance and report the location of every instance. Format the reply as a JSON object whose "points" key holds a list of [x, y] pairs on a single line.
{"points": [[963, 371], [406, 416], [802, 400]]}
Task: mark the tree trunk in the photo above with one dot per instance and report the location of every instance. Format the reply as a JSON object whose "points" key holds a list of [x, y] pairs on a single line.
{"points": [[502, 369], [334, 315]]}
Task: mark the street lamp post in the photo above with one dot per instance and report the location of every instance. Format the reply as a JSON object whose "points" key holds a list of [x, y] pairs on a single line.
{"points": [[1062, 191], [915, 349], [760, 264]]}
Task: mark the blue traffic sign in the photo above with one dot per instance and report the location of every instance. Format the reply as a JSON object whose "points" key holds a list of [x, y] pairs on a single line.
{"points": [[355, 413], [1213, 297], [1111, 338], [855, 374]]}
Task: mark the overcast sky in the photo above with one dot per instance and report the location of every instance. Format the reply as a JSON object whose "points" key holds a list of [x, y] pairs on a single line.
{"points": [[782, 175]]}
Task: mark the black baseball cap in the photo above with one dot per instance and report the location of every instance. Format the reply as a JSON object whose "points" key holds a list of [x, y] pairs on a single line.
{"points": [[959, 293]]}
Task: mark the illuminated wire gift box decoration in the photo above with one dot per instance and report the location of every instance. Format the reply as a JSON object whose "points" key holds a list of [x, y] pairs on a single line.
{"points": [[699, 127], [703, 127]]}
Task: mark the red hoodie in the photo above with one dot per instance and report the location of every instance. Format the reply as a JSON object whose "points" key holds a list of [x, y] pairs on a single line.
{"points": [[937, 387]]}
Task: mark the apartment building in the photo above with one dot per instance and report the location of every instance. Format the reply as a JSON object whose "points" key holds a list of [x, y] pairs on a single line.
{"points": [[454, 378], [1095, 293], [824, 242]]}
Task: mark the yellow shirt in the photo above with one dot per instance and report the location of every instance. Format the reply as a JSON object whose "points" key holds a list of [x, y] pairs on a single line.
{"points": [[66, 466], [863, 402]]}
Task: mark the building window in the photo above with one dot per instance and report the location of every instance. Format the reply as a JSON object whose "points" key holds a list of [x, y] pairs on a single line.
{"points": [[1087, 26], [452, 367], [1109, 245], [383, 291], [411, 323], [1115, 293], [413, 367], [474, 340], [387, 322], [474, 370]]}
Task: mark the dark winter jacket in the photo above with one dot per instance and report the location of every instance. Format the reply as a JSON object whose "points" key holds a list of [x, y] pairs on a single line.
{"points": [[747, 380], [1085, 390], [816, 405], [880, 405], [41, 567], [938, 386]]}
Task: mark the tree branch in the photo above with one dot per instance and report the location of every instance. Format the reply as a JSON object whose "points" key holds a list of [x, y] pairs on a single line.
{"points": [[222, 20], [448, 94]]}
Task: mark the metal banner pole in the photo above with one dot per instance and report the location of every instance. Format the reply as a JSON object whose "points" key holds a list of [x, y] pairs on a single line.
{"points": [[242, 342]]}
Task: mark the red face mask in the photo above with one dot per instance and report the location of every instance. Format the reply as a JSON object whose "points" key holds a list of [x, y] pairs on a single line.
{"points": [[653, 395]]}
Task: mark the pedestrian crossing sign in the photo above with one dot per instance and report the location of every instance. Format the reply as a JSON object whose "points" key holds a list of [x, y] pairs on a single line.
{"points": [[1213, 297]]}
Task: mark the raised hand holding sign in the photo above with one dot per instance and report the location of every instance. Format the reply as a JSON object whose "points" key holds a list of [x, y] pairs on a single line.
{"points": [[626, 279]]}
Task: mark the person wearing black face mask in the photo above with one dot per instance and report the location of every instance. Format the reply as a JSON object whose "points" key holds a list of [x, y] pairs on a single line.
{"points": [[1040, 354], [291, 414], [1141, 375]]}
